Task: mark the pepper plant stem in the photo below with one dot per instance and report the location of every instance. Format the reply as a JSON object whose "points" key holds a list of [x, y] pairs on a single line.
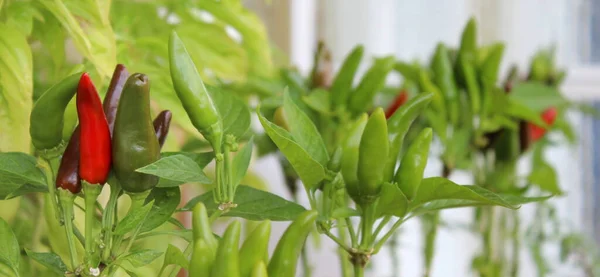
{"points": [[367, 226], [109, 218], [228, 173], [46, 168], [91, 192], [66, 201], [359, 270]]}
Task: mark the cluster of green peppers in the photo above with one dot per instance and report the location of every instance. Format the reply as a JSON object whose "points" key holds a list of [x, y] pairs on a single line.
{"points": [[117, 136], [224, 257]]}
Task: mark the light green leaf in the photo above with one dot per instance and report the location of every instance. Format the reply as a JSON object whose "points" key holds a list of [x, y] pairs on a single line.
{"points": [[311, 172], [318, 100], [537, 96], [234, 112], [50, 260], [520, 111], [9, 245], [20, 175], [176, 257], [391, 201], [16, 90], [133, 220], [202, 159], [177, 168], [185, 234], [141, 257], [252, 204], [303, 131], [241, 161], [166, 201], [544, 176]]}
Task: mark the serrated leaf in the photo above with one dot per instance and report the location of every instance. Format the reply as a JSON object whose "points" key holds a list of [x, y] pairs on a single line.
{"points": [[303, 131], [234, 112], [20, 175], [391, 201], [176, 257], [177, 168], [50, 260], [252, 204], [311, 172], [141, 257], [165, 201], [133, 220], [241, 161], [10, 252]]}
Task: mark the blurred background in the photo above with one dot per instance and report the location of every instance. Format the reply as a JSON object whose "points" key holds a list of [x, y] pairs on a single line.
{"points": [[410, 30]]}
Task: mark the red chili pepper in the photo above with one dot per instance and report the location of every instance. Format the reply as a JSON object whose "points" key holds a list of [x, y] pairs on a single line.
{"points": [[94, 139], [398, 101], [537, 132]]}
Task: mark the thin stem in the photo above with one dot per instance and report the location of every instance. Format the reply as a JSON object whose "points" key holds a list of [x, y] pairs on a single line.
{"points": [[382, 224], [336, 239], [135, 233], [219, 168], [66, 201], [108, 219], [91, 192], [47, 169], [384, 239], [346, 266], [215, 215], [228, 173], [367, 226], [353, 237]]}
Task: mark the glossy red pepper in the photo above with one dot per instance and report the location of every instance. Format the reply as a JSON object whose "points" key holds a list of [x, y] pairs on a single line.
{"points": [[67, 177], [161, 123], [94, 138], [398, 101], [537, 132]]}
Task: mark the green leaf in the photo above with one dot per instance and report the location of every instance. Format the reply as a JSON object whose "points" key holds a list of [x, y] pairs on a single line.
{"points": [[133, 220], [166, 201], [20, 175], [391, 201], [437, 188], [141, 257], [185, 234], [537, 96], [10, 252], [344, 212], [177, 168], [16, 90], [202, 159], [443, 204], [252, 204], [318, 100], [303, 131], [50, 260], [520, 111], [234, 112], [176, 257], [544, 176], [311, 172], [241, 161]]}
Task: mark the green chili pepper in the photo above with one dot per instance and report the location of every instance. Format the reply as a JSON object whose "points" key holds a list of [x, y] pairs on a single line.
{"points": [[444, 77], [373, 81], [373, 150], [286, 254], [134, 140], [335, 162], [227, 261], [193, 94], [202, 259], [398, 126], [342, 84], [437, 101], [467, 50], [491, 66], [349, 164], [255, 248], [413, 164], [259, 270], [201, 226], [472, 85], [47, 115]]}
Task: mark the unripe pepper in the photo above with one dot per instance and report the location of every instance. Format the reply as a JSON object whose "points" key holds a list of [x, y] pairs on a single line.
{"points": [[372, 82], [372, 153], [286, 254], [227, 261], [399, 100], [255, 248], [342, 84], [444, 78], [413, 164], [113, 95], [134, 142], [161, 123], [349, 163], [67, 176], [94, 139], [202, 259], [193, 94], [259, 270], [47, 115]]}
